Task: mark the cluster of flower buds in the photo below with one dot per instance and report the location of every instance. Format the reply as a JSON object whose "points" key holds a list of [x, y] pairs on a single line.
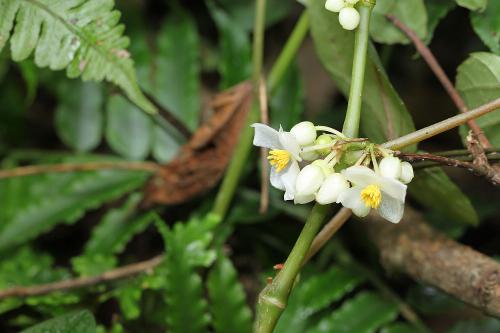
{"points": [[348, 15], [309, 164]]}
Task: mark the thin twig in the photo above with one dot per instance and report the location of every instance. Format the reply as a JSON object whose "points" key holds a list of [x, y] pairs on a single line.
{"points": [[429, 58], [116, 274], [492, 157], [264, 176], [72, 167]]}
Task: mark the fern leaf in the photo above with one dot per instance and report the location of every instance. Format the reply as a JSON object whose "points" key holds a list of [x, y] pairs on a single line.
{"points": [[228, 307], [82, 36], [364, 313]]}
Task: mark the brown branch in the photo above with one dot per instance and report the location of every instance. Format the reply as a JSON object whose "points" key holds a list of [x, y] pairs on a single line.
{"points": [[72, 167], [479, 169], [264, 176], [429, 58], [426, 255], [116, 274]]}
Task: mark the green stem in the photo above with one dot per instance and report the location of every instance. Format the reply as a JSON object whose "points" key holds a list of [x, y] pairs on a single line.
{"points": [[351, 122], [442, 126], [289, 52], [273, 299], [231, 178]]}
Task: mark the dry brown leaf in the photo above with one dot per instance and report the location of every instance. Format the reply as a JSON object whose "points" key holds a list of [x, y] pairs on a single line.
{"points": [[203, 159]]}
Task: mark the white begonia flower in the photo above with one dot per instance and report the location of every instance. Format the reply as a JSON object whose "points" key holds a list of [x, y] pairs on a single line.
{"points": [[308, 183], [390, 167], [304, 132], [331, 188], [334, 5], [406, 172], [349, 18], [371, 190], [284, 157]]}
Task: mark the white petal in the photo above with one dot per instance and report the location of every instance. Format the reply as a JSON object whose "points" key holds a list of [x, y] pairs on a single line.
{"points": [[331, 188], [288, 178], [265, 136], [303, 199], [361, 175], [390, 167], [288, 142], [406, 172], [351, 198], [391, 209], [309, 180], [275, 179], [393, 188]]}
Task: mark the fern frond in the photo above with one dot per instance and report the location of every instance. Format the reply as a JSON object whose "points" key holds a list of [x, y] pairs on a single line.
{"points": [[83, 36]]}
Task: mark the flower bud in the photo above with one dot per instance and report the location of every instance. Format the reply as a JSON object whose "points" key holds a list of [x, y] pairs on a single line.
{"points": [[324, 139], [303, 199], [329, 191], [308, 180], [334, 5], [349, 18], [406, 172], [311, 155], [351, 2], [390, 167], [327, 170], [304, 132]]}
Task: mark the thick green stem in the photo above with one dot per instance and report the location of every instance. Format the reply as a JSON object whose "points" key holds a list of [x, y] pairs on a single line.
{"points": [[351, 122], [273, 299], [289, 52]]}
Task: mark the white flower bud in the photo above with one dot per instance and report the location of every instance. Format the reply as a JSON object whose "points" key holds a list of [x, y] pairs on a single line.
{"points": [[349, 18], [311, 155], [390, 167], [327, 170], [304, 132], [406, 172], [329, 191], [303, 199], [308, 180], [351, 2], [334, 5]]}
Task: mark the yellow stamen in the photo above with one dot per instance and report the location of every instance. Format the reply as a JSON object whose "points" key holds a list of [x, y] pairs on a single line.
{"points": [[279, 159], [371, 196]]}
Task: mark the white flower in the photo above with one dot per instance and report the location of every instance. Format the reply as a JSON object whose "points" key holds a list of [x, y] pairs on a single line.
{"points": [[308, 183], [331, 188], [371, 190], [334, 5], [304, 132], [349, 18], [390, 167], [283, 157], [406, 172]]}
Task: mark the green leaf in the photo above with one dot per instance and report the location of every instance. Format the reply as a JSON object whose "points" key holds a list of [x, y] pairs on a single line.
{"points": [[487, 25], [176, 84], [128, 131], [433, 189], [78, 117], [436, 10], [384, 115], [235, 63], [473, 4], [187, 249], [30, 76], [411, 12], [315, 294], [227, 299], [61, 198], [489, 325], [286, 105], [399, 328], [75, 322], [82, 36], [478, 81], [364, 313], [165, 146]]}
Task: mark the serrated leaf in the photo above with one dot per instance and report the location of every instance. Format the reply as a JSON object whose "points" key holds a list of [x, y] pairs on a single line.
{"points": [[486, 24], [63, 198], [411, 12], [399, 328], [128, 131], [82, 36], [433, 189], [364, 313], [478, 81], [436, 10], [473, 4], [75, 322], [78, 117], [286, 104], [315, 294], [227, 299], [235, 62], [384, 115], [129, 296]]}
